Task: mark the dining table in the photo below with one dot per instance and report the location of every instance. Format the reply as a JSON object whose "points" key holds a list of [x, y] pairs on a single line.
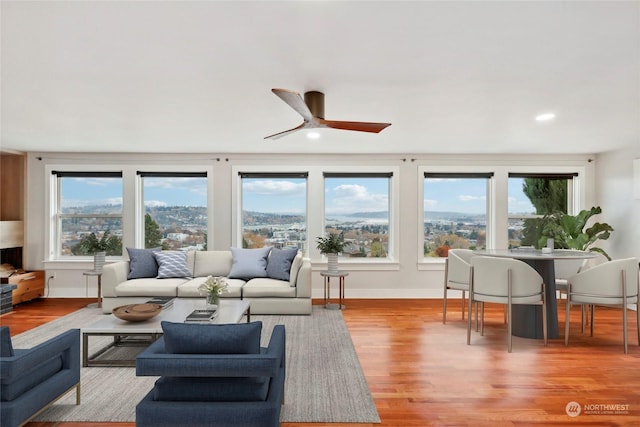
{"points": [[527, 319]]}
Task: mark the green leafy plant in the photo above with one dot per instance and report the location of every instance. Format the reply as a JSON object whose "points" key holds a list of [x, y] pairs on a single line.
{"points": [[568, 231], [90, 244], [332, 244]]}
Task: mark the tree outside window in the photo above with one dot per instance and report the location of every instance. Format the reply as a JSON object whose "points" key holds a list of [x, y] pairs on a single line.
{"points": [[531, 196]]}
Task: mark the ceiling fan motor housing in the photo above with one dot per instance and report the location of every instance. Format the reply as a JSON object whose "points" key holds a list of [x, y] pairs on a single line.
{"points": [[315, 102]]}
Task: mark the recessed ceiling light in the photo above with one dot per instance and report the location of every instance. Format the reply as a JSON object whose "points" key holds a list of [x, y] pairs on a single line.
{"points": [[545, 117], [313, 135]]}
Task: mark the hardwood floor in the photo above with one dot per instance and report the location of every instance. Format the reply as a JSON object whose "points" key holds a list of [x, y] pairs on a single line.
{"points": [[422, 373]]}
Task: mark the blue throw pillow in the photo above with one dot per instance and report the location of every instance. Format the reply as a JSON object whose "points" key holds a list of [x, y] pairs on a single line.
{"points": [[233, 338], [6, 348], [142, 263], [172, 264], [279, 263], [249, 263]]}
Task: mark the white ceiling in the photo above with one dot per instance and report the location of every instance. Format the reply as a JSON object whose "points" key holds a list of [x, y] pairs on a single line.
{"points": [[195, 77]]}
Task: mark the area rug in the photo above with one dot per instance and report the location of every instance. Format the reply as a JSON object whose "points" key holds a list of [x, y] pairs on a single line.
{"points": [[324, 380]]}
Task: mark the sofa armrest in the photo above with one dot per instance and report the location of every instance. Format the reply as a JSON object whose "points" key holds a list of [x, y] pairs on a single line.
{"points": [[154, 361], [303, 281], [66, 344], [112, 275]]}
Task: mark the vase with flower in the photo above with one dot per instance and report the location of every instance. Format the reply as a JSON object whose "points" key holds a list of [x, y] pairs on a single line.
{"points": [[212, 288]]}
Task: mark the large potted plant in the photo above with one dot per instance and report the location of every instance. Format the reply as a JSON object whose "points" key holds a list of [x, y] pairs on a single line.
{"points": [[331, 246], [570, 232]]}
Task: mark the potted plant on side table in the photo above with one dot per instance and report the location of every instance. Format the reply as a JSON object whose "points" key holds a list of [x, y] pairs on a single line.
{"points": [[331, 246], [90, 244]]}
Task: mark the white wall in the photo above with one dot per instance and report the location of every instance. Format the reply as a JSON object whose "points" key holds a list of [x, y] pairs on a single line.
{"points": [[405, 277], [614, 193]]}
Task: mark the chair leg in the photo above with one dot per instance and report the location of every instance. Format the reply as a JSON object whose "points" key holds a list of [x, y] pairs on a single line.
{"points": [[638, 321], [469, 317], [463, 304], [625, 333], [544, 314], [593, 312], [509, 327], [444, 306], [78, 394], [482, 318], [509, 319], [566, 318]]}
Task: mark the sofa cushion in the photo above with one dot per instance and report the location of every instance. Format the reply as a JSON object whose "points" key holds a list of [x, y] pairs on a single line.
{"points": [[212, 263], [149, 287], [190, 289], [185, 338], [142, 263], [295, 268], [229, 389], [172, 264], [279, 263], [249, 263], [268, 288], [6, 348]]}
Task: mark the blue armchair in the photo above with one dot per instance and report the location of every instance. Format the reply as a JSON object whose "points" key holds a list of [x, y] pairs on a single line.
{"points": [[213, 375], [32, 379]]}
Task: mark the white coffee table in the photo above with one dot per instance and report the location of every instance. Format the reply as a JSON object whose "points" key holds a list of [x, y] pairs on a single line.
{"points": [[127, 334]]}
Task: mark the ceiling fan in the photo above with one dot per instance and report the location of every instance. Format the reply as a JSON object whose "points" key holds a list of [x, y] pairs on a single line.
{"points": [[312, 111]]}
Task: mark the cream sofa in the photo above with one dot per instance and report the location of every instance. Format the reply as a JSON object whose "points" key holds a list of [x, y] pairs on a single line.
{"points": [[267, 296]]}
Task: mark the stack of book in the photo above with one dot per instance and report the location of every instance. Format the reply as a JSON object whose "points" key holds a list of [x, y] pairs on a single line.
{"points": [[164, 302], [201, 316]]}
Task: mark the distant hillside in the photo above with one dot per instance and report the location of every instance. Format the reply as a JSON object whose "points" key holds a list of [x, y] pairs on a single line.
{"points": [[431, 215]]}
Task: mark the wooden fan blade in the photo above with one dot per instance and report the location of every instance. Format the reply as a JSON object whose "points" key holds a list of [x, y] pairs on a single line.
{"points": [[356, 126], [286, 132], [295, 101]]}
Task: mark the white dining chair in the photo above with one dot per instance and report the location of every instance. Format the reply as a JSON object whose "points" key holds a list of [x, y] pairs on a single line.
{"points": [[505, 281], [565, 268], [457, 276], [614, 283]]}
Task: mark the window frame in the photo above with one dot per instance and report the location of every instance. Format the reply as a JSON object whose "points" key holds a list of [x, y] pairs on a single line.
{"points": [[456, 170], [169, 172], [393, 174], [237, 171], [573, 200], [487, 175], [54, 226]]}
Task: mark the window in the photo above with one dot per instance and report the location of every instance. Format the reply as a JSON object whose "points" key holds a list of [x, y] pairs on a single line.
{"points": [[455, 212], [175, 210], [357, 207], [274, 210], [88, 212], [530, 197]]}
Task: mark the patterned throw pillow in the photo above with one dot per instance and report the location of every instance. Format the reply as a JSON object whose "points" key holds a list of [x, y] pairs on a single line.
{"points": [[172, 264], [142, 263]]}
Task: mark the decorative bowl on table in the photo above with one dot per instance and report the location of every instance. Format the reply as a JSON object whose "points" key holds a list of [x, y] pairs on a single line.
{"points": [[137, 312]]}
